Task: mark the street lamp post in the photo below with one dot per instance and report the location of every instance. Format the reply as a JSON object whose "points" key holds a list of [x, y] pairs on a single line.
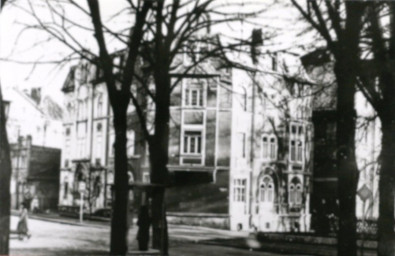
{"points": [[81, 189]]}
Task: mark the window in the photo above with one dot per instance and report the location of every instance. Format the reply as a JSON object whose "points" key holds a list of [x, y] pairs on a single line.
{"points": [[66, 189], [194, 97], [241, 144], [239, 190], [295, 191], [81, 137], [98, 144], [266, 189], [67, 148], [274, 62], [269, 147], [82, 109], [99, 107], [244, 99], [296, 143], [192, 142], [112, 143]]}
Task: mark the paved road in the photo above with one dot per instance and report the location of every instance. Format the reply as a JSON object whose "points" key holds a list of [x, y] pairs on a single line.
{"points": [[49, 238]]}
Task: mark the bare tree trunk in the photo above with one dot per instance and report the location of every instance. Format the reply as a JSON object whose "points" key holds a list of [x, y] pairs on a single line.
{"points": [[159, 148], [5, 179], [346, 164], [119, 227], [347, 56], [159, 174]]}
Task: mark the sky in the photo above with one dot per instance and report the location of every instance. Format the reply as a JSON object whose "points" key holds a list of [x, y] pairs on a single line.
{"points": [[28, 45]]}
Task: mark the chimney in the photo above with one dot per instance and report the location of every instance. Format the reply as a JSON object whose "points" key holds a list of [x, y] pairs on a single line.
{"points": [[35, 94]]}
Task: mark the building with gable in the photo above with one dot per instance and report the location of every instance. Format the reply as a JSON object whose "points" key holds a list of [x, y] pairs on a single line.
{"points": [[239, 147]]}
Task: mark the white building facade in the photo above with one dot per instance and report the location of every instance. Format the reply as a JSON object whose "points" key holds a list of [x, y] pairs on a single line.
{"points": [[271, 150]]}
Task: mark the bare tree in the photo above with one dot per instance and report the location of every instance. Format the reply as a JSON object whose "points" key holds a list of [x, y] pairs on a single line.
{"points": [[377, 79], [161, 33], [172, 35], [374, 77], [340, 24]]}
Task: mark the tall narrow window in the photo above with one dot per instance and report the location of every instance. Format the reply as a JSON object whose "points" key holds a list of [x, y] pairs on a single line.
{"points": [[269, 147], [266, 189], [99, 109], [274, 62], [112, 143], [239, 190], [81, 138], [66, 189], [241, 144], [296, 145], [265, 147], [295, 191], [273, 148]]}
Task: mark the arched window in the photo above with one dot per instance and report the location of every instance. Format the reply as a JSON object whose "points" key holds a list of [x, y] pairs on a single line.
{"points": [[295, 191], [266, 189]]}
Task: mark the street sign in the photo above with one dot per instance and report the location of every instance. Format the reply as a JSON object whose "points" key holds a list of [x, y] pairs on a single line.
{"points": [[364, 193]]}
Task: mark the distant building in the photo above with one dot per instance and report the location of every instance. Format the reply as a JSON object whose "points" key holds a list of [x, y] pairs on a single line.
{"points": [[35, 175], [29, 114]]}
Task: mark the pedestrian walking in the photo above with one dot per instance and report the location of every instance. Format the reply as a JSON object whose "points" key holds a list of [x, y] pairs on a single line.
{"points": [[22, 228]]}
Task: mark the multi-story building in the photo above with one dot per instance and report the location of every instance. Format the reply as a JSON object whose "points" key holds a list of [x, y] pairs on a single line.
{"points": [[200, 117], [239, 144], [35, 175], [271, 164]]}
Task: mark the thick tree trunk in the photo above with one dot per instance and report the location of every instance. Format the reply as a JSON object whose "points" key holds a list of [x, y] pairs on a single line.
{"points": [[159, 148], [5, 178], [346, 164], [119, 227], [159, 177], [386, 223]]}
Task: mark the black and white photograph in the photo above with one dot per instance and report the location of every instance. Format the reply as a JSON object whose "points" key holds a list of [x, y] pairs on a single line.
{"points": [[197, 127]]}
